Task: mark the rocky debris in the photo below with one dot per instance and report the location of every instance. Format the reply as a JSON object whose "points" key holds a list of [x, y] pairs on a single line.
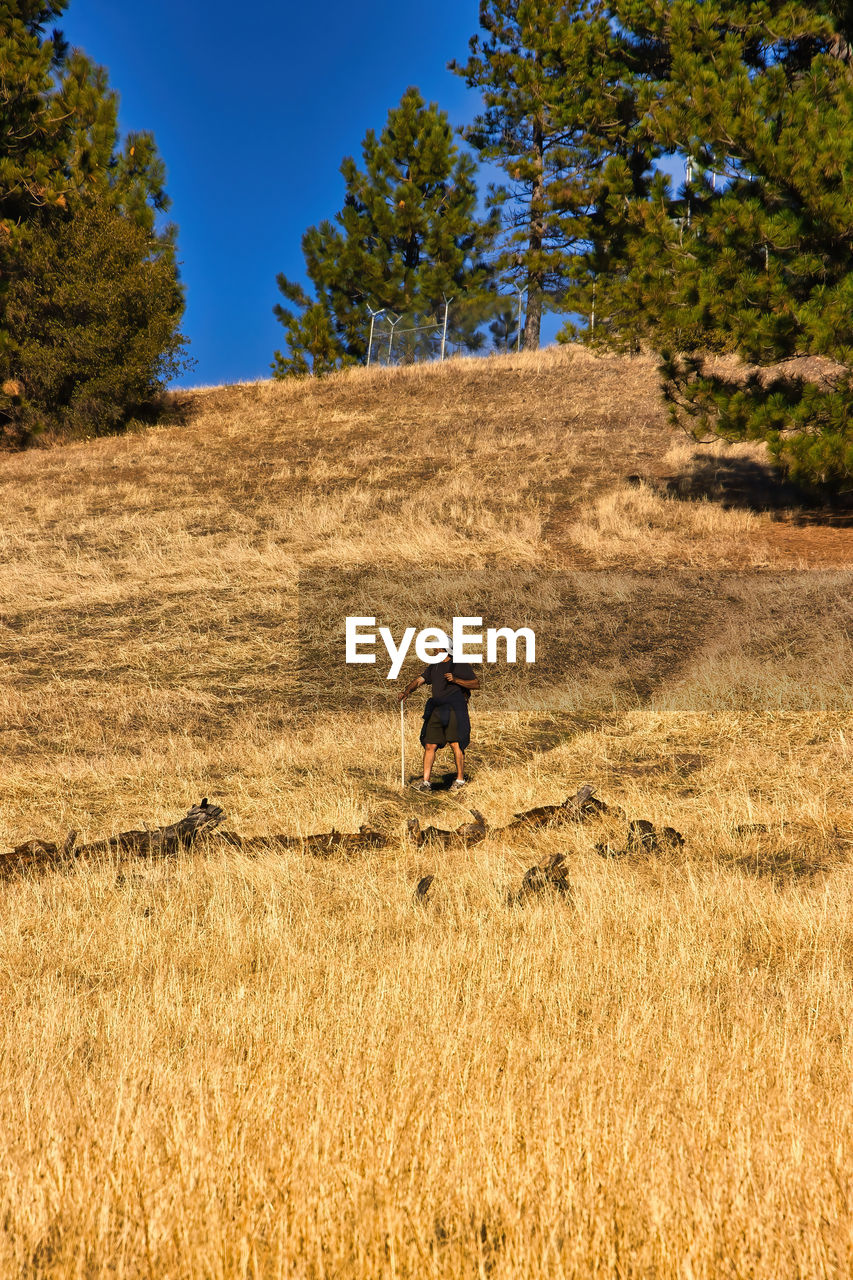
{"points": [[549, 875], [469, 833]]}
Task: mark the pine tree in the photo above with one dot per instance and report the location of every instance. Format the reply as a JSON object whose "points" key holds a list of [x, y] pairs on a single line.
{"points": [[504, 327], [32, 141], [407, 237], [560, 120], [60, 127], [94, 320], [35, 128], [312, 345], [759, 96], [60, 164]]}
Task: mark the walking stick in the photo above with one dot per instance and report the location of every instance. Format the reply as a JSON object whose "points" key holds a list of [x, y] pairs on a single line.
{"points": [[402, 747]]}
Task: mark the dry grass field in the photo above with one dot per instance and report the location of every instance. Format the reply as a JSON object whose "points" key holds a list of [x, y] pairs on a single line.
{"points": [[225, 1066]]}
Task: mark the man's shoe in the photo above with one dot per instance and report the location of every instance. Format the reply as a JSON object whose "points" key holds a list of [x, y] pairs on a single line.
{"points": [[457, 784], [422, 786]]}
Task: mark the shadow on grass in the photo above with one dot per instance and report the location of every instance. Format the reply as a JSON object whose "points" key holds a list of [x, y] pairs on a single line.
{"points": [[782, 866], [746, 484]]}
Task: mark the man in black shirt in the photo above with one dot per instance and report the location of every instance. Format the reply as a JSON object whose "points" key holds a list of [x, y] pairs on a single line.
{"points": [[446, 720]]}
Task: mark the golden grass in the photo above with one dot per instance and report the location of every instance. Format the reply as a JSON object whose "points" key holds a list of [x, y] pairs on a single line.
{"points": [[272, 1069], [225, 1066], [644, 527]]}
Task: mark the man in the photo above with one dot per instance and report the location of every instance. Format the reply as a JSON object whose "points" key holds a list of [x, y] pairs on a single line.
{"points": [[446, 721]]}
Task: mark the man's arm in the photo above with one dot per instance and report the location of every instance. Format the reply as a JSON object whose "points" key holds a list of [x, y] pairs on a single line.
{"points": [[410, 688], [464, 684]]}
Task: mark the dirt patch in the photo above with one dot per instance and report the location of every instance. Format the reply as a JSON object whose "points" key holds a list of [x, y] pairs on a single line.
{"points": [[813, 546]]}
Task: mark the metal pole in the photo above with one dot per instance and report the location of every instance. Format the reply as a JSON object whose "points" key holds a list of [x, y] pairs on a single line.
{"points": [[393, 325], [592, 316], [373, 315], [447, 302], [520, 300]]}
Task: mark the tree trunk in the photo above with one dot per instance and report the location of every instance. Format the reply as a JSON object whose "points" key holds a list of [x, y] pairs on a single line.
{"points": [[535, 277], [533, 319]]}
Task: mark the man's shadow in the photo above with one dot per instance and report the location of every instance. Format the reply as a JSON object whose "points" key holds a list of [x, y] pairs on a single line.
{"points": [[443, 783]]}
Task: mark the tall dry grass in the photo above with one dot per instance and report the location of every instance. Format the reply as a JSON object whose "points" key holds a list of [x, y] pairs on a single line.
{"points": [[225, 1066]]}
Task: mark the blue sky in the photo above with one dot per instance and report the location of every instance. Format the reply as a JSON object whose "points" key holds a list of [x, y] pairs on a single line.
{"points": [[253, 110]]}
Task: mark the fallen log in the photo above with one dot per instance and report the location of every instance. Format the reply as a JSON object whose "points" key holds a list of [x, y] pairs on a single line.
{"points": [[160, 842], [583, 804], [751, 829], [324, 844], [644, 837], [421, 894], [643, 834], [204, 819], [163, 842], [549, 874], [38, 853], [469, 833]]}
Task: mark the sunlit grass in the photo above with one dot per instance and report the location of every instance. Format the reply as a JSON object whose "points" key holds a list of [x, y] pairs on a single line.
{"points": [[281, 1066]]}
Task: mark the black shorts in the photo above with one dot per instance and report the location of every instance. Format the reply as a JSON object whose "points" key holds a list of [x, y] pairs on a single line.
{"points": [[437, 735]]}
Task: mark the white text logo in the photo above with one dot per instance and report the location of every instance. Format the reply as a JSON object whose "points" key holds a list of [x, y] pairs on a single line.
{"points": [[466, 643]]}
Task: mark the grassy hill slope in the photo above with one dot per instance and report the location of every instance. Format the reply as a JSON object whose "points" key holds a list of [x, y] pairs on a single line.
{"points": [[278, 1065], [149, 587]]}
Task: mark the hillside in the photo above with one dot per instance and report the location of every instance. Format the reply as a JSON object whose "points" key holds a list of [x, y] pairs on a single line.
{"points": [[273, 1064], [149, 589]]}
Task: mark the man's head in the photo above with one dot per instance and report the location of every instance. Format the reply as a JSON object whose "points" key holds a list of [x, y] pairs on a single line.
{"points": [[445, 647]]}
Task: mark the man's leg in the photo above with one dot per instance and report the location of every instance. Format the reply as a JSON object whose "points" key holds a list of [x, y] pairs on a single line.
{"points": [[429, 757], [459, 757]]}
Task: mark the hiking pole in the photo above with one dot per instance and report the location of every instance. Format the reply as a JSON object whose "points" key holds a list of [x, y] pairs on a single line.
{"points": [[402, 746]]}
